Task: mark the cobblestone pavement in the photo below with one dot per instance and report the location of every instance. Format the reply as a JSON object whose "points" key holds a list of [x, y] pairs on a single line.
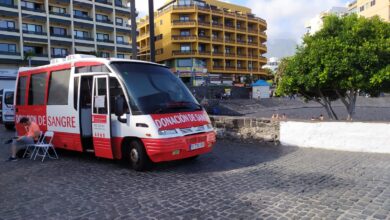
{"points": [[235, 181]]}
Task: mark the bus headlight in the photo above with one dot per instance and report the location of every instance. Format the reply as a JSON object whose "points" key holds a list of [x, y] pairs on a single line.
{"points": [[167, 132]]}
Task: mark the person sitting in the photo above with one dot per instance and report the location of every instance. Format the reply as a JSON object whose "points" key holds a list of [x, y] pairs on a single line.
{"points": [[32, 135]]}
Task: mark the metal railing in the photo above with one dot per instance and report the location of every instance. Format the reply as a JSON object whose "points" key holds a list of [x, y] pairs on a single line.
{"points": [[9, 29], [183, 22], [183, 37], [34, 32], [83, 17], [60, 35], [183, 52], [105, 40], [59, 14], [83, 38], [10, 53]]}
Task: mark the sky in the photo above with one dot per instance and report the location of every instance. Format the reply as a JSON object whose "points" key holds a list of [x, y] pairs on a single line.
{"points": [[285, 18]]}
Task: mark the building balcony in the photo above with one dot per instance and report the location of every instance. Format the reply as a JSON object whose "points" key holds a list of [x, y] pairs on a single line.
{"points": [[241, 42], [230, 54], [83, 17], [184, 7], [230, 41], [204, 23], [39, 10], [184, 37], [242, 55], [59, 55], [217, 25], [263, 35], [216, 11], [60, 35], [117, 4], [218, 68], [59, 14], [253, 31], [252, 43], [183, 23], [206, 53], [216, 39], [262, 47], [122, 43], [9, 29], [203, 8], [205, 38], [37, 55], [229, 14], [104, 2], [241, 29], [9, 53], [8, 5], [34, 32], [242, 68], [183, 52], [104, 21], [217, 53], [230, 68], [105, 41], [83, 38], [229, 27]]}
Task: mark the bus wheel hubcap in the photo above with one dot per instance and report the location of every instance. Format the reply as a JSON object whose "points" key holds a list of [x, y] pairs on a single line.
{"points": [[134, 155]]}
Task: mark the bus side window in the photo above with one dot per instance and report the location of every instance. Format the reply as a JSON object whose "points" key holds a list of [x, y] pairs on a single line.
{"points": [[21, 91], [116, 91]]}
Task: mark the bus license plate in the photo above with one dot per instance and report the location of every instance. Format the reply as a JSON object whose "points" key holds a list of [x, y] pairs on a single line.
{"points": [[196, 146]]}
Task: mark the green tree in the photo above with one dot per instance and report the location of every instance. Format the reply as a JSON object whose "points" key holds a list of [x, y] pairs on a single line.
{"points": [[347, 56]]}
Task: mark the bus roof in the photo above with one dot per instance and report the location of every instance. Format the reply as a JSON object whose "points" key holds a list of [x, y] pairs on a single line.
{"points": [[84, 59]]}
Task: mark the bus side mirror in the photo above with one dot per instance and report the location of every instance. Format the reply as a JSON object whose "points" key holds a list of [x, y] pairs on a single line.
{"points": [[119, 106]]}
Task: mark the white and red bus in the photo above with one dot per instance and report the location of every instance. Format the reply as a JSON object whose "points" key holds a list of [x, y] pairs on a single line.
{"points": [[116, 108]]}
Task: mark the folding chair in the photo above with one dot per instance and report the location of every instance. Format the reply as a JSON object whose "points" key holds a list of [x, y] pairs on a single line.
{"points": [[40, 138], [45, 146]]}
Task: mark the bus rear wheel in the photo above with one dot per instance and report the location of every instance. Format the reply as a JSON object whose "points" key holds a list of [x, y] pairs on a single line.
{"points": [[137, 156]]}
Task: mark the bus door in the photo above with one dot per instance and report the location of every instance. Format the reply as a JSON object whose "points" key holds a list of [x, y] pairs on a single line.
{"points": [[101, 121]]}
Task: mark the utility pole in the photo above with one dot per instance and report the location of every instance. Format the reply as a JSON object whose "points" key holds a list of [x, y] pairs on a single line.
{"points": [[133, 16], [151, 31]]}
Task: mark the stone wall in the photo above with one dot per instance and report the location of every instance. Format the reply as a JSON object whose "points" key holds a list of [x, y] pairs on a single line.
{"points": [[246, 129]]}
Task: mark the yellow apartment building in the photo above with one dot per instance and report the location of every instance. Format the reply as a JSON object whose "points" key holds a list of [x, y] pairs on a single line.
{"points": [[370, 8], [46, 29], [198, 38]]}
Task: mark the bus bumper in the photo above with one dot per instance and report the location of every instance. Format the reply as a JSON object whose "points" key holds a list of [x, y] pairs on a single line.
{"points": [[178, 148]]}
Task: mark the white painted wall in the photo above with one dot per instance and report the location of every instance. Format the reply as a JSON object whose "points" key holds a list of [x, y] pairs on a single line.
{"points": [[346, 136]]}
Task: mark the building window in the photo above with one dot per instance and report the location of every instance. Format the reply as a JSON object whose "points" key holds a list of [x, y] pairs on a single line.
{"points": [[80, 13], [59, 52], [120, 39], [100, 17], [118, 3], [105, 54], [184, 2], [8, 48], [185, 47], [58, 87], [202, 32], [4, 24], [30, 5], [81, 34], [102, 37], [120, 55], [119, 21], [362, 8], [7, 2], [185, 32], [227, 50], [184, 18], [32, 28], [161, 22], [33, 50], [58, 31], [372, 2], [184, 62], [158, 37], [57, 10]]}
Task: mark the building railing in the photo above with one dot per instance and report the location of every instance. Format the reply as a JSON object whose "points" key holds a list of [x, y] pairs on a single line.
{"points": [[104, 21], [8, 5], [217, 25], [9, 29], [217, 53], [191, 6], [38, 55], [217, 39], [105, 41], [230, 67], [183, 52], [104, 2], [252, 43], [122, 43], [242, 55], [60, 35], [204, 52], [83, 38], [218, 68], [59, 14], [229, 40], [242, 29], [34, 32], [59, 55], [83, 17], [216, 11], [230, 54], [201, 37], [183, 37], [181, 22], [10, 53], [203, 8], [204, 23], [230, 27], [241, 42], [34, 9], [231, 14], [242, 68]]}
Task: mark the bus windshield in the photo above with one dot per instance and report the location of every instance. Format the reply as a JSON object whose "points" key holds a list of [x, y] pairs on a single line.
{"points": [[154, 89], [9, 98]]}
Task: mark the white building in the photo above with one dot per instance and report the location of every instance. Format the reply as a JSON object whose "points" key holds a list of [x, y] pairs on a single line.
{"points": [[315, 24], [272, 64]]}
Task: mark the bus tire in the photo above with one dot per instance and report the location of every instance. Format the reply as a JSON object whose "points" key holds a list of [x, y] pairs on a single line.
{"points": [[192, 158], [137, 156], [9, 127]]}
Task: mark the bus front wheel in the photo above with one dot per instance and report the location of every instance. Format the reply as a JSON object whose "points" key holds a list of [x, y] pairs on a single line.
{"points": [[137, 156]]}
